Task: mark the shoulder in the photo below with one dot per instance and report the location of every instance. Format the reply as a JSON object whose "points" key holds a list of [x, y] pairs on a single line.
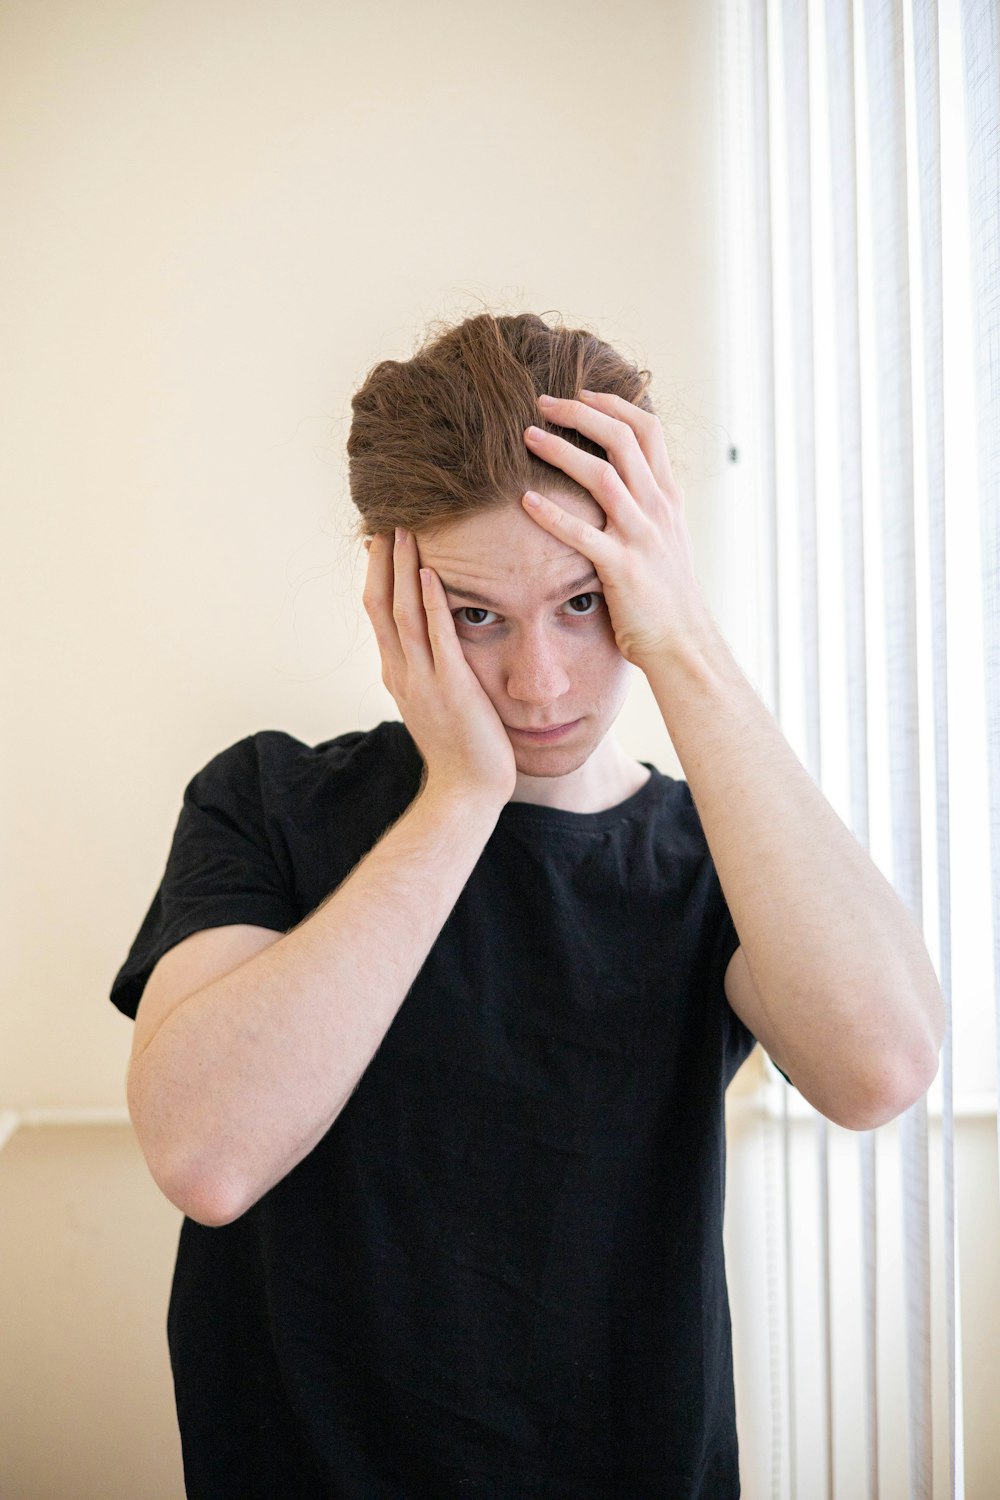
{"points": [[678, 820], [270, 760]]}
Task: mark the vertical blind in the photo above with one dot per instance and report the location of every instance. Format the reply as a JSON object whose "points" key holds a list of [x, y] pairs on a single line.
{"points": [[861, 216]]}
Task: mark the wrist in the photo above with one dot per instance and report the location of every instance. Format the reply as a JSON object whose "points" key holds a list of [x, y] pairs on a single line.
{"points": [[460, 799], [700, 658]]}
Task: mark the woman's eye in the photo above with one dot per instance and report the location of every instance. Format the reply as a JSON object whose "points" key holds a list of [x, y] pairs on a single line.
{"points": [[594, 601]]}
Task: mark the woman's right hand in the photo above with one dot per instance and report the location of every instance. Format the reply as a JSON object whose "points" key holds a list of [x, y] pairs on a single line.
{"points": [[459, 733]]}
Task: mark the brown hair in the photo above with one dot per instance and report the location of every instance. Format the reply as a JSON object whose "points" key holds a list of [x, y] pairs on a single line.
{"points": [[440, 435]]}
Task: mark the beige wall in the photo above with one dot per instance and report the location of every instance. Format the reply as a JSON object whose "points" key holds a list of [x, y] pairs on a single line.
{"points": [[222, 215]]}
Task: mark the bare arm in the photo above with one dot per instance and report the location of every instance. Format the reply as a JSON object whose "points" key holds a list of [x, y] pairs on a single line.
{"points": [[248, 1073], [837, 982], [832, 974]]}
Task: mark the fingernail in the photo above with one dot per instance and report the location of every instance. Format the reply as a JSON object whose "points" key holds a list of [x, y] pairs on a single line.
{"points": [[547, 400]]}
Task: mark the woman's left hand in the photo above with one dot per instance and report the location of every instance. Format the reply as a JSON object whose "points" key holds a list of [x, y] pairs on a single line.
{"points": [[643, 555]]}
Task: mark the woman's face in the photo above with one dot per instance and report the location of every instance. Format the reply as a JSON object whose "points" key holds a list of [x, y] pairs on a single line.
{"points": [[529, 612]]}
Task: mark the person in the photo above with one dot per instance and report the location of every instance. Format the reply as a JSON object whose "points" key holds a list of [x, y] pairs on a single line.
{"points": [[437, 1018]]}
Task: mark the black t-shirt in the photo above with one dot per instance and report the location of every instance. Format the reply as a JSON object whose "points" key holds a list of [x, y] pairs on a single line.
{"points": [[500, 1273]]}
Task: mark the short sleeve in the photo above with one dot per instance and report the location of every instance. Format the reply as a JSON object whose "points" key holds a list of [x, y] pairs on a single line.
{"points": [[221, 869], [738, 1040], [718, 938]]}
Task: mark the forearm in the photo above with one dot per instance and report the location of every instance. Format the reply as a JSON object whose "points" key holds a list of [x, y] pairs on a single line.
{"points": [[840, 967], [248, 1074]]}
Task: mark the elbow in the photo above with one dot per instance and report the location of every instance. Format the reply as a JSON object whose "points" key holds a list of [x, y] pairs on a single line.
{"points": [[207, 1201], [202, 1195], [208, 1209], [896, 1095], [905, 1077]]}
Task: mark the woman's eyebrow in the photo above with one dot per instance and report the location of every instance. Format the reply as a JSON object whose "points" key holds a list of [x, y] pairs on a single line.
{"points": [[567, 593]]}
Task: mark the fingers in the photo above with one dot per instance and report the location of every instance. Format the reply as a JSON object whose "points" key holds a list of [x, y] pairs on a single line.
{"points": [[377, 592], [407, 601], [392, 600], [440, 625]]}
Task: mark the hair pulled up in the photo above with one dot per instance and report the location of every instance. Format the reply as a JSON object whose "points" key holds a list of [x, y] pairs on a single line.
{"points": [[440, 435]]}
